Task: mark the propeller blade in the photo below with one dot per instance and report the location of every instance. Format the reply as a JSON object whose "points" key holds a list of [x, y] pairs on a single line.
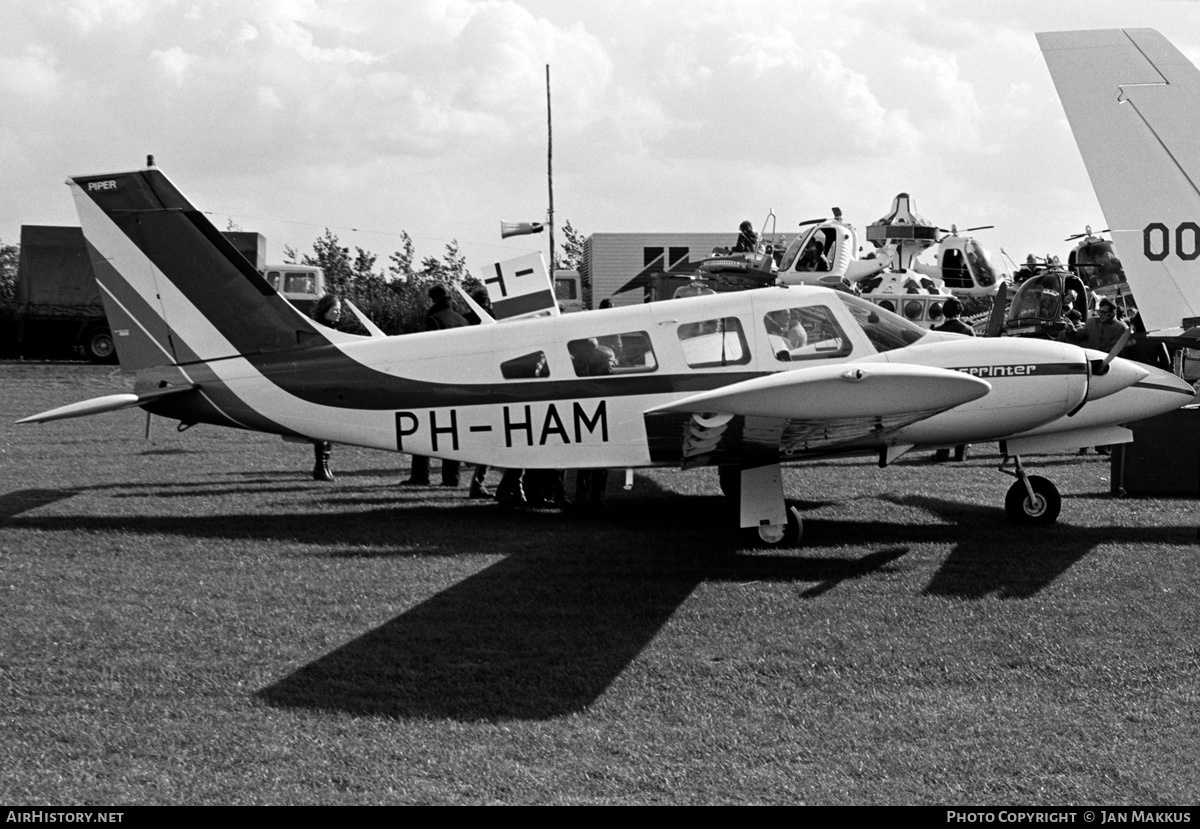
{"points": [[1116, 349]]}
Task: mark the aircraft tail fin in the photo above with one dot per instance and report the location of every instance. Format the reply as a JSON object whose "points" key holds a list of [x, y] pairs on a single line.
{"points": [[175, 289], [1133, 102]]}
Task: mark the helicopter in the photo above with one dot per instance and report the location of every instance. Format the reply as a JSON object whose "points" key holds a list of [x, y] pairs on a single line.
{"points": [[1049, 295], [1045, 300], [1095, 260], [893, 276]]}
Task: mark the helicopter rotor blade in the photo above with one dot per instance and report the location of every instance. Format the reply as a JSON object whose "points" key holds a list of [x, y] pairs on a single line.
{"points": [[1086, 233]]}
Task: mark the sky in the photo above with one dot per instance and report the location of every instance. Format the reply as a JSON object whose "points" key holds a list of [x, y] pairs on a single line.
{"points": [[377, 117]]}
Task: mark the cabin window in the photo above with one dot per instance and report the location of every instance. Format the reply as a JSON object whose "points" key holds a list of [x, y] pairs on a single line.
{"points": [[526, 366], [629, 352], [273, 278], [711, 343], [805, 333]]}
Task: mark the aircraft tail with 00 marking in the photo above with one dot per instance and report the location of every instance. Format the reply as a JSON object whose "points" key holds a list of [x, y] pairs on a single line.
{"points": [[1133, 102]]}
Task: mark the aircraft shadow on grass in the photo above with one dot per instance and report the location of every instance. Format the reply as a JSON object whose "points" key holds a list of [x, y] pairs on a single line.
{"points": [[24, 500], [1008, 561], [543, 632]]}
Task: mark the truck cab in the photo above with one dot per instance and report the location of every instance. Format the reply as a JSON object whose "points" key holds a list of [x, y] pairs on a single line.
{"points": [[568, 290]]}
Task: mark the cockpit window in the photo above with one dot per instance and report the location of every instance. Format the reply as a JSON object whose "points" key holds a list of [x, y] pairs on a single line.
{"points": [[807, 333], [719, 342], [1039, 298], [884, 329], [981, 263], [626, 353], [525, 366], [789, 255], [1098, 264]]}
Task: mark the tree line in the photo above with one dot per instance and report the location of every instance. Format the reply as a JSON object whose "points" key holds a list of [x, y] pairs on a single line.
{"points": [[394, 294]]}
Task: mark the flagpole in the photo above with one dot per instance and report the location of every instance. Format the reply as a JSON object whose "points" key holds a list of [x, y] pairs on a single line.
{"points": [[550, 172]]}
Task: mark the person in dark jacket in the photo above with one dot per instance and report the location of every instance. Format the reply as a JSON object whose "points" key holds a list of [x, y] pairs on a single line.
{"points": [[952, 308], [747, 239], [439, 317]]}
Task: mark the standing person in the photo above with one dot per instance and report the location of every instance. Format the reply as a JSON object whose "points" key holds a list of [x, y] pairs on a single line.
{"points": [[439, 317], [952, 308], [327, 311], [747, 239], [1102, 330], [592, 360]]}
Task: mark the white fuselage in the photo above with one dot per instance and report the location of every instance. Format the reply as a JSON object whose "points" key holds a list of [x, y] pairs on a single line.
{"points": [[521, 394]]}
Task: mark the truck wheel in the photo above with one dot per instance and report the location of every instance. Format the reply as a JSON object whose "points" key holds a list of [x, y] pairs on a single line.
{"points": [[98, 346]]}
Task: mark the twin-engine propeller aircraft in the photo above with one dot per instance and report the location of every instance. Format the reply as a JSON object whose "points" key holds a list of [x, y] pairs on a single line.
{"points": [[742, 381]]}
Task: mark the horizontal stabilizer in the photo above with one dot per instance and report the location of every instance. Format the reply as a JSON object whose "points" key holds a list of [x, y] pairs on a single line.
{"points": [[108, 403], [838, 392]]}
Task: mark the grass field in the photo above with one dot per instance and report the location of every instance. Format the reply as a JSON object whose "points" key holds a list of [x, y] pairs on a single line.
{"points": [[190, 620]]}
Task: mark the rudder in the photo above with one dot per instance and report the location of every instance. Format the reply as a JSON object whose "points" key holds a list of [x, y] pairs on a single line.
{"points": [[175, 290], [1133, 103]]}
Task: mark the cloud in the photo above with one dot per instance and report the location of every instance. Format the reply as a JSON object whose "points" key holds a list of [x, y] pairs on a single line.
{"points": [[174, 62], [431, 114], [32, 74]]}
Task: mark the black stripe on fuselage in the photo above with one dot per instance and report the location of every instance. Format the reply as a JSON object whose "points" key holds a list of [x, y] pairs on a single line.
{"points": [[1022, 371], [325, 376], [1146, 384]]}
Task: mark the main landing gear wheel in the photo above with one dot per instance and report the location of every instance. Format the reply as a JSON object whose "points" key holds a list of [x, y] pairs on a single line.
{"points": [[779, 535], [99, 346], [1042, 508]]}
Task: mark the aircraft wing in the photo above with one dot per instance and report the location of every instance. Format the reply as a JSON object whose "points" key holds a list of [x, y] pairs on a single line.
{"points": [[108, 403], [810, 410], [1133, 102]]}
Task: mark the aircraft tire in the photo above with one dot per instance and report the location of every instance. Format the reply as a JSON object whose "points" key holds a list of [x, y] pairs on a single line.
{"points": [[1043, 509], [772, 536], [98, 345]]}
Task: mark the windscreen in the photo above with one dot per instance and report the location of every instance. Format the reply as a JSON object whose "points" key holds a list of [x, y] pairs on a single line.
{"points": [[884, 329]]}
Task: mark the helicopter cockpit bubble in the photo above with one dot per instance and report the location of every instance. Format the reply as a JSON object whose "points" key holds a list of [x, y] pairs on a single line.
{"points": [[1096, 261], [980, 263], [1039, 305]]}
